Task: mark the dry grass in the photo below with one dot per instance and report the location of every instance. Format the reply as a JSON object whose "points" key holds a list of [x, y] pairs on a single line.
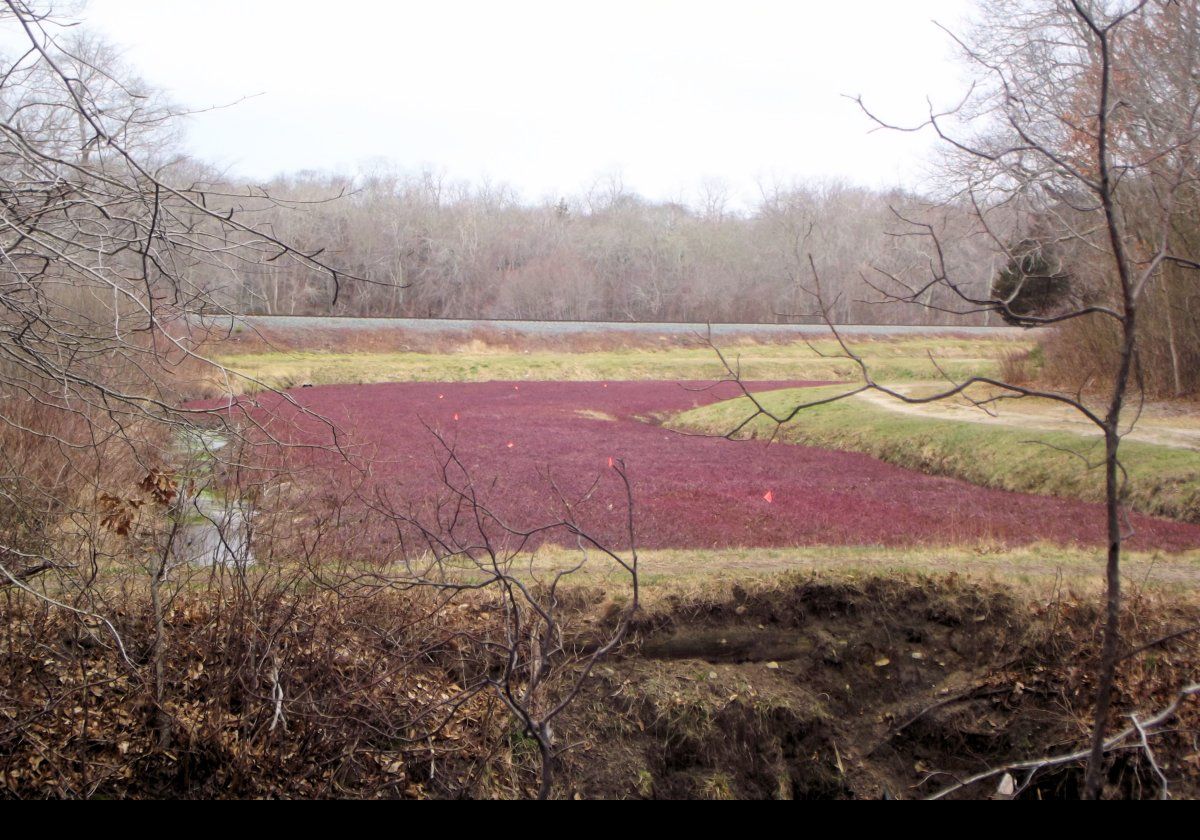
{"points": [[894, 359], [1036, 570], [259, 338]]}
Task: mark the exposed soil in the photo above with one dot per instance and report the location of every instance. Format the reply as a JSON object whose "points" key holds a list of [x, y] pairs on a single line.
{"points": [[798, 687], [881, 689], [517, 439]]}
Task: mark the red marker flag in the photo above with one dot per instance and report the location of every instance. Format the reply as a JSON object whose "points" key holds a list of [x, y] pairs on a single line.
{"points": [[510, 444], [456, 415], [610, 462], [769, 496]]}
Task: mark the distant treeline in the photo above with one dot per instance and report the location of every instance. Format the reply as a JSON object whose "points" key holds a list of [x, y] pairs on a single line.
{"points": [[430, 248]]}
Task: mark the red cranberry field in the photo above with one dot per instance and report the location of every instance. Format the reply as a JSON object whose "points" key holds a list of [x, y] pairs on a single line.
{"points": [[529, 445]]}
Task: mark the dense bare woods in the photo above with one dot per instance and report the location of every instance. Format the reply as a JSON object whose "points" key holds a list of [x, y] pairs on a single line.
{"points": [[455, 250]]}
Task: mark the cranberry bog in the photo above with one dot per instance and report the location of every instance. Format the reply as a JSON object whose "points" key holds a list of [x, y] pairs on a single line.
{"points": [[793, 686], [530, 449]]}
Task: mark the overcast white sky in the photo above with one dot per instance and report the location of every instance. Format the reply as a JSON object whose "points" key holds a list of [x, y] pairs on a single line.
{"points": [[548, 96]]}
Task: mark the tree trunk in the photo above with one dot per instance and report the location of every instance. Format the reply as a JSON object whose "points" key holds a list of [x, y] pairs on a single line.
{"points": [[1176, 375]]}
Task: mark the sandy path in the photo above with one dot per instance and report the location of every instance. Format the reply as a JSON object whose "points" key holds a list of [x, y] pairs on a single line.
{"points": [[1155, 431]]}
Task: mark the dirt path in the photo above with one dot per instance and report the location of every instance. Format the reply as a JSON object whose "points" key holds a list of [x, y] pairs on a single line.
{"points": [[1048, 418]]}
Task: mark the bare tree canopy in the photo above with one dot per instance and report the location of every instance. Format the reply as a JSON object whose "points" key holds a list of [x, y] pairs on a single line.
{"points": [[1077, 148], [114, 248]]}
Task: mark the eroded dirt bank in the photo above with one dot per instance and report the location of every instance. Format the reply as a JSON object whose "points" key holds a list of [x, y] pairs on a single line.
{"points": [[882, 688], [826, 686]]}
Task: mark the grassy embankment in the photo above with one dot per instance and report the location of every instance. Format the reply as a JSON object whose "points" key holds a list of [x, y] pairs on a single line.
{"points": [[892, 359], [1164, 480]]}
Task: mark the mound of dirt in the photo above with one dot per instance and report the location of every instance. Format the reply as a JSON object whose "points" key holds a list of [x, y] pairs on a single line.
{"points": [[883, 688]]}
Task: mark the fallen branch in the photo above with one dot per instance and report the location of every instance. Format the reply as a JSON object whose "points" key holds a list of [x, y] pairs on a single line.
{"points": [[25, 574], [1139, 731]]}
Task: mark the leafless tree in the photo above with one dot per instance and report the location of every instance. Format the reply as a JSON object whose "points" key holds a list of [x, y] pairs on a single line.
{"points": [[115, 252], [459, 544], [1082, 131], [106, 259], [106, 254]]}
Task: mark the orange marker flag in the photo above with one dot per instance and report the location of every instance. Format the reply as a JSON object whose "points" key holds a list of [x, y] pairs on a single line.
{"points": [[441, 396], [511, 444], [769, 496], [610, 462], [456, 415]]}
